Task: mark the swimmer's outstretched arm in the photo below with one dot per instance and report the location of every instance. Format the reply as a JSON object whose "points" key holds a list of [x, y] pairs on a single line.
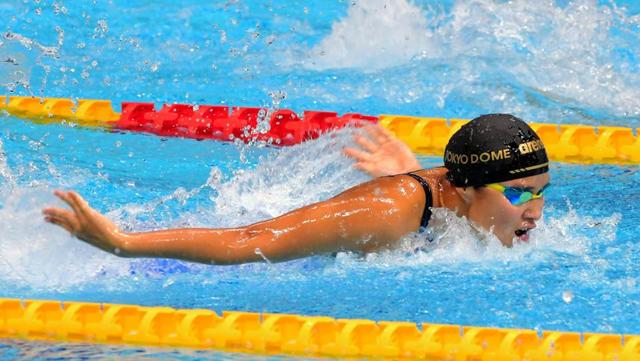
{"points": [[382, 153], [365, 218]]}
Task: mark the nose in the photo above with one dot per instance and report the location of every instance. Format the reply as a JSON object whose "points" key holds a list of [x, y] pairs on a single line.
{"points": [[534, 209]]}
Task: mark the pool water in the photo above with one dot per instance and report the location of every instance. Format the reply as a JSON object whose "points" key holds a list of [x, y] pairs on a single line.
{"points": [[562, 61]]}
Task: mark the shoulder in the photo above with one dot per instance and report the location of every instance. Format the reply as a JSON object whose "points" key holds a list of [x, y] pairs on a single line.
{"points": [[432, 174], [432, 177], [401, 185], [435, 179], [400, 189]]}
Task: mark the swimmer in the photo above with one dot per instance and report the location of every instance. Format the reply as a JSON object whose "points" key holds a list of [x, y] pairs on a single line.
{"points": [[495, 174]]}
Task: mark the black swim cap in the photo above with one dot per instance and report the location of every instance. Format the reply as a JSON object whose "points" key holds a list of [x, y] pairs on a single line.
{"points": [[494, 148]]}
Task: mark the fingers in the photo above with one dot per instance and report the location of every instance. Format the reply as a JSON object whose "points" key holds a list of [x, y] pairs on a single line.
{"points": [[60, 217], [390, 138], [358, 155], [363, 161], [377, 137], [73, 199], [389, 135], [69, 220], [58, 212], [366, 144], [82, 204], [63, 218], [65, 197], [60, 222], [378, 133]]}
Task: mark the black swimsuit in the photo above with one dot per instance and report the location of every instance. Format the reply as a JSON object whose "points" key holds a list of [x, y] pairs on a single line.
{"points": [[426, 214]]}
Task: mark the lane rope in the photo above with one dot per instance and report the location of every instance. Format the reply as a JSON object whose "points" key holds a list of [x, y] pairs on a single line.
{"points": [[573, 143], [270, 333]]}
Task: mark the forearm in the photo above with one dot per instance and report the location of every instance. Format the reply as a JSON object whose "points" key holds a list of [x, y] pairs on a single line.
{"points": [[212, 246], [312, 230]]}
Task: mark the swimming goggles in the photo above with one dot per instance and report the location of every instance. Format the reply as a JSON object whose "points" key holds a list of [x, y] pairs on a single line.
{"points": [[517, 196]]}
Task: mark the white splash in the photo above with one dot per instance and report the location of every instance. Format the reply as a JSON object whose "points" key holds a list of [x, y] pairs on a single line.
{"points": [[39, 255], [6, 174], [18, 57], [285, 180], [490, 51], [42, 256], [375, 34], [455, 240]]}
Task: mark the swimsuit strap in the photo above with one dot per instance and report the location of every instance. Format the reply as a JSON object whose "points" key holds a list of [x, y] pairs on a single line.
{"points": [[426, 215]]}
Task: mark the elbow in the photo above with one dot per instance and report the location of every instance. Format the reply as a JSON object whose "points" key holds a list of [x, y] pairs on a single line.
{"points": [[247, 254], [255, 244], [230, 253]]}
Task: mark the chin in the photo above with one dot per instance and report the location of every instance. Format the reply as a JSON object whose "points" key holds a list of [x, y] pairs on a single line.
{"points": [[507, 242]]}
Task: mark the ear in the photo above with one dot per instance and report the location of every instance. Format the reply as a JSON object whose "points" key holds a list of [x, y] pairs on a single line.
{"points": [[466, 193]]}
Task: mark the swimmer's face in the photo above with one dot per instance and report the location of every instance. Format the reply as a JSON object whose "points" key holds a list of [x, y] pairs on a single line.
{"points": [[491, 210]]}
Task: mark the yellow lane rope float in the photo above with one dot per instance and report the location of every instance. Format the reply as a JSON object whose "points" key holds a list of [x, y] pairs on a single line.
{"points": [[564, 142], [86, 112], [270, 333], [303, 335], [572, 143]]}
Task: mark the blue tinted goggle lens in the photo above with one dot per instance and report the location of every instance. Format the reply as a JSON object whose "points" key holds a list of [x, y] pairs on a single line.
{"points": [[517, 196]]}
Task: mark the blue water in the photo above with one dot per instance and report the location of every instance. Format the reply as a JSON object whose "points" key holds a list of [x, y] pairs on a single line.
{"points": [[565, 61]]}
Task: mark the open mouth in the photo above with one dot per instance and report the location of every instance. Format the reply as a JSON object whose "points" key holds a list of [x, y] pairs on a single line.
{"points": [[522, 234]]}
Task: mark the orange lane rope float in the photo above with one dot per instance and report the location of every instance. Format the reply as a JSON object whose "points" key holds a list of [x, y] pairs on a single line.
{"points": [[271, 333]]}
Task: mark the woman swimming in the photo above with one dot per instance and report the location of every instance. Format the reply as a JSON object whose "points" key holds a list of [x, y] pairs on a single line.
{"points": [[495, 173]]}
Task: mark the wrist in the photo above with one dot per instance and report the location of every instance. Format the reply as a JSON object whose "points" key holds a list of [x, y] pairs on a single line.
{"points": [[122, 243]]}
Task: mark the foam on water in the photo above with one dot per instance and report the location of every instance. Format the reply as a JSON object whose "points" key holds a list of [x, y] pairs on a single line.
{"points": [[374, 35], [574, 61], [553, 61], [289, 179], [457, 243], [539, 59], [40, 256], [32, 253]]}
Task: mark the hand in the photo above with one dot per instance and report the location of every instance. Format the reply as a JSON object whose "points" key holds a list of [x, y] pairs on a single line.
{"points": [[383, 153], [86, 223]]}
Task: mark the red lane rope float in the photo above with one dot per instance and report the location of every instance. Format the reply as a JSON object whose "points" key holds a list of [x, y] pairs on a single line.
{"points": [[285, 127], [278, 127], [573, 143]]}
